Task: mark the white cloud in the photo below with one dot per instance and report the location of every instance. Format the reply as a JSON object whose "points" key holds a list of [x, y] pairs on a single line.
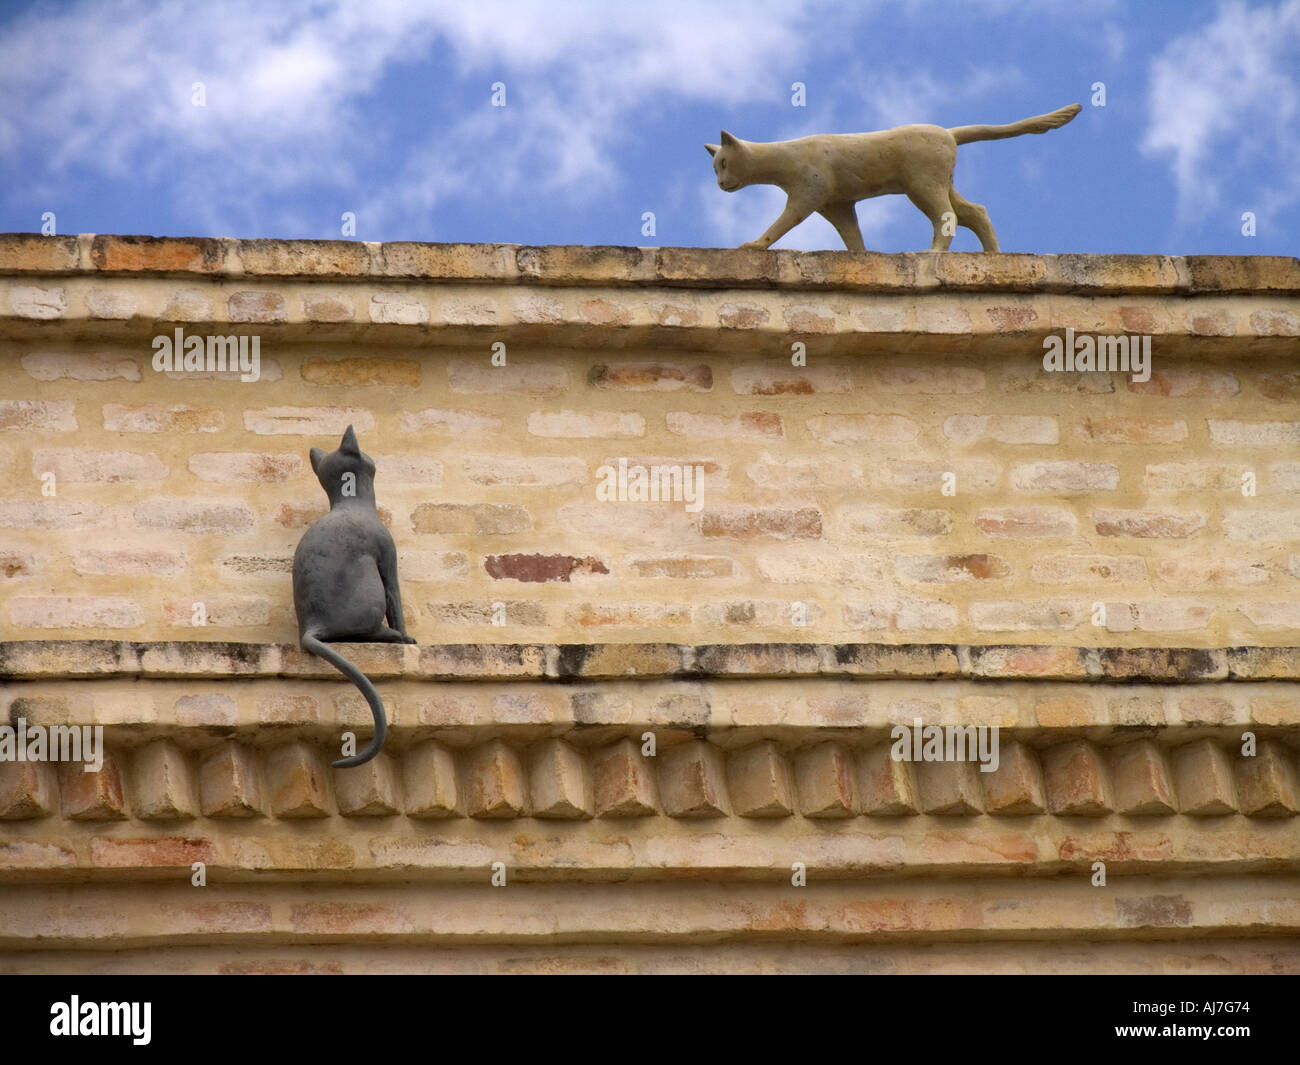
{"points": [[1114, 42], [284, 82], [897, 98], [1223, 109]]}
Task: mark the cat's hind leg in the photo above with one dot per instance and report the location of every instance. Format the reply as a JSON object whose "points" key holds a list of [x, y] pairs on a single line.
{"points": [[976, 219], [844, 217], [932, 201], [395, 630]]}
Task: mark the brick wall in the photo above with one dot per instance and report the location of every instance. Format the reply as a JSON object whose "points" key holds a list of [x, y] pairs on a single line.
{"points": [[1091, 578], [824, 513]]}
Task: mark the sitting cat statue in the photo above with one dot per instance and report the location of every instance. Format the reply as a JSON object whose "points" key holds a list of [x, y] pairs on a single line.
{"points": [[829, 173], [345, 576]]}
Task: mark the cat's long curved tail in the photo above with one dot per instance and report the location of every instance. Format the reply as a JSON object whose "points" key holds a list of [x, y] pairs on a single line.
{"points": [[325, 651], [1037, 124]]}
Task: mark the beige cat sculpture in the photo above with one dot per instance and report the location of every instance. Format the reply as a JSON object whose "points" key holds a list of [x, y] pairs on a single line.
{"points": [[830, 172]]}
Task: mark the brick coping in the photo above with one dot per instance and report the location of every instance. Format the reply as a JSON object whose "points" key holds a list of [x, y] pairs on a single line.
{"points": [[45, 659], [581, 265]]}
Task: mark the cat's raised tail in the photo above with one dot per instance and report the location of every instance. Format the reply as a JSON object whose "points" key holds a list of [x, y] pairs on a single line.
{"points": [[316, 647], [1037, 124]]}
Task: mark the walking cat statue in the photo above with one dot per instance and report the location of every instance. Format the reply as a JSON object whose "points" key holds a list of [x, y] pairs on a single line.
{"points": [[829, 173], [345, 576]]}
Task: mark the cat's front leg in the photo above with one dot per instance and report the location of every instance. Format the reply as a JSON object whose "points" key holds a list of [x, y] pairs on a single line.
{"points": [[794, 213]]}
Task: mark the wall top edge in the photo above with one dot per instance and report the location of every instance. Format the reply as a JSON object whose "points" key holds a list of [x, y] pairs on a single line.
{"points": [[646, 267]]}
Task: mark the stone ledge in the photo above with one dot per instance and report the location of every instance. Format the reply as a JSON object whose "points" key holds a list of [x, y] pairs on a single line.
{"points": [[731, 711], [116, 916], [576, 265], [843, 321], [1253, 953], [54, 659], [921, 848]]}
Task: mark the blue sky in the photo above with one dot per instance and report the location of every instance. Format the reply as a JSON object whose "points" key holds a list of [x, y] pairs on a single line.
{"points": [[384, 108]]}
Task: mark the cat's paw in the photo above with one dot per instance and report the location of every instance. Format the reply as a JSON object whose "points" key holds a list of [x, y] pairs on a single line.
{"points": [[407, 638], [753, 245]]}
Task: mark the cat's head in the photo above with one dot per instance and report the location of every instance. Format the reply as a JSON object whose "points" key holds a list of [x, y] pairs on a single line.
{"points": [[730, 162], [348, 473]]}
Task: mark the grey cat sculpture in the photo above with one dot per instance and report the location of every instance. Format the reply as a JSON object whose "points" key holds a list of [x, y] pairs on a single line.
{"points": [[345, 576], [829, 173]]}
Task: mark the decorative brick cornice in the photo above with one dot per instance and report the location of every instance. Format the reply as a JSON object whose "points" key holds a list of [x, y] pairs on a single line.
{"points": [[1128, 784], [772, 731]]}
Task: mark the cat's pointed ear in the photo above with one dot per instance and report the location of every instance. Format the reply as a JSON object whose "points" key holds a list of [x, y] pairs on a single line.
{"points": [[728, 141], [349, 443], [315, 454], [712, 149]]}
